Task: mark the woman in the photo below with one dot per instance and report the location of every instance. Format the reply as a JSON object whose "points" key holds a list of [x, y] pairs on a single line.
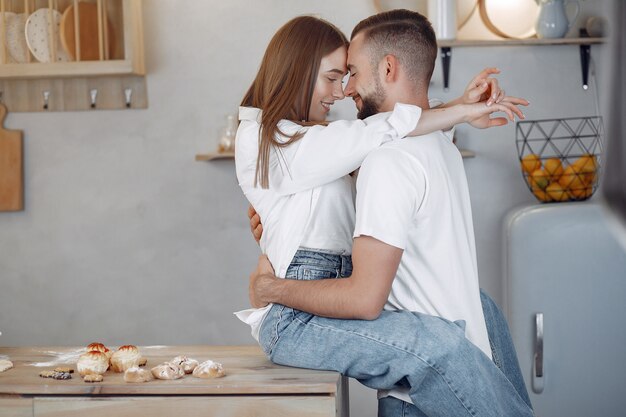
{"points": [[289, 161], [293, 167]]}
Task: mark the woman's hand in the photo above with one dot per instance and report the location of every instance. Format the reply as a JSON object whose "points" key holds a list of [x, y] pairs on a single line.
{"points": [[483, 88], [256, 228], [479, 114]]}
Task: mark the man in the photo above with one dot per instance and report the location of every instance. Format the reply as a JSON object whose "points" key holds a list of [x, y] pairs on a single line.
{"points": [[413, 250]]}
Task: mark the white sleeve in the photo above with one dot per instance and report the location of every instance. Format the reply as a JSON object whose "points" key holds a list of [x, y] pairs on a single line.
{"points": [[326, 153], [390, 189]]}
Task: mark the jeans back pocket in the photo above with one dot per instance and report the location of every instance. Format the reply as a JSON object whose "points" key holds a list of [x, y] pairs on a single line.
{"points": [[313, 272]]}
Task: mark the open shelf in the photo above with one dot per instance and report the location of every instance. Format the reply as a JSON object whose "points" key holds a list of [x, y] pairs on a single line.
{"points": [[520, 42], [583, 42], [215, 155]]}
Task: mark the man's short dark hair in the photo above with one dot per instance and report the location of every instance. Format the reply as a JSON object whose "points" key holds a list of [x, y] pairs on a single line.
{"points": [[405, 34]]}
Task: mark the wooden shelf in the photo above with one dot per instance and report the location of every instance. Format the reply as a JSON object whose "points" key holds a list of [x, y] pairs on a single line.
{"points": [[465, 153], [215, 155], [231, 155], [520, 42], [106, 72], [583, 42]]}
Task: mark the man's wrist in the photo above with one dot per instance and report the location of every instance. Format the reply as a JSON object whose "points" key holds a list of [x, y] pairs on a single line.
{"points": [[271, 289]]}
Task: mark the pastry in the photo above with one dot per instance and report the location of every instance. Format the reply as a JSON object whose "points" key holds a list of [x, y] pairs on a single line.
{"points": [[99, 347], [93, 378], [136, 374], [186, 363], [5, 364], [64, 369], [92, 363], [168, 370], [209, 369], [125, 357], [55, 375]]}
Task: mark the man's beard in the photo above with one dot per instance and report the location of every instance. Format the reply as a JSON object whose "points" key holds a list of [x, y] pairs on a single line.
{"points": [[371, 104]]}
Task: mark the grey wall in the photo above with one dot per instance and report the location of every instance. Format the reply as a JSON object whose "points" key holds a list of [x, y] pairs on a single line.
{"points": [[126, 239]]}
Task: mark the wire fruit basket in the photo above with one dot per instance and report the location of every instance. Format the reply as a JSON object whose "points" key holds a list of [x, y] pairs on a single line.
{"points": [[561, 159]]}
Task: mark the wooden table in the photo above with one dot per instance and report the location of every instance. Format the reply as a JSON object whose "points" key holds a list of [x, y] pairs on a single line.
{"points": [[253, 386]]}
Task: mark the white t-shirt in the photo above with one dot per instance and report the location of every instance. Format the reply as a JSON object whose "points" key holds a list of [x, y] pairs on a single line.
{"points": [[299, 174], [332, 223], [413, 194]]}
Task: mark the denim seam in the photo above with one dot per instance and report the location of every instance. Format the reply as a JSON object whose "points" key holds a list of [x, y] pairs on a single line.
{"points": [[275, 335], [402, 350]]}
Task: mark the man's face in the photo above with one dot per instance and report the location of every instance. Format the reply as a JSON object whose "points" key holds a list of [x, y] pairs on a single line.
{"points": [[364, 85]]}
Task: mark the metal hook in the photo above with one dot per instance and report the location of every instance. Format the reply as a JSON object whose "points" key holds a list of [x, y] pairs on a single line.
{"points": [[46, 99], [128, 93], [94, 96]]}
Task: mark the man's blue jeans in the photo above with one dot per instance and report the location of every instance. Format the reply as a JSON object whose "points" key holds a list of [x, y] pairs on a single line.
{"points": [[446, 374], [502, 350]]}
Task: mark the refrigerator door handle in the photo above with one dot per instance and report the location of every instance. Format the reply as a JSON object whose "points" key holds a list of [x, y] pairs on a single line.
{"points": [[538, 374]]}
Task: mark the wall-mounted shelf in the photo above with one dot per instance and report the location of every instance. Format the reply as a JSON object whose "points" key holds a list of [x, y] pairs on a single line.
{"points": [[231, 155], [215, 155], [584, 42], [89, 55]]}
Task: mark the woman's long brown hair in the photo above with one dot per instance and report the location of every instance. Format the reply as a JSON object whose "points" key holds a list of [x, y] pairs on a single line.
{"points": [[284, 85]]}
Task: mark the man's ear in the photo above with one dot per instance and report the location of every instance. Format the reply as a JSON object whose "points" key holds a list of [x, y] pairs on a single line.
{"points": [[389, 67]]}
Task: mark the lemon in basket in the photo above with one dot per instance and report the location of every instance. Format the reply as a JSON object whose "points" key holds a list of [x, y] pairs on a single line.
{"points": [[586, 164], [530, 163], [554, 168], [539, 179], [556, 192]]}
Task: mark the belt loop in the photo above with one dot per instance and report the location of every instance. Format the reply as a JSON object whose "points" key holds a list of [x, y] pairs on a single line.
{"points": [[344, 261]]}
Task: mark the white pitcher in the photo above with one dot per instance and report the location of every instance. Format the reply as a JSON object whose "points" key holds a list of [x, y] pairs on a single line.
{"points": [[552, 21]]}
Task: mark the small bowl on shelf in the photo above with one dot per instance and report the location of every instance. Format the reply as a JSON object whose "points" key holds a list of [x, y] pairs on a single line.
{"points": [[560, 159]]}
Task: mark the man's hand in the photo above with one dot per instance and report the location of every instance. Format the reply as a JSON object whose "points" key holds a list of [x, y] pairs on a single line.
{"points": [[260, 281], [255, 224]]}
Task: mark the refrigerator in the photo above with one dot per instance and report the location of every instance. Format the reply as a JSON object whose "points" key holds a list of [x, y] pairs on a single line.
{"points": [[565, 299]]}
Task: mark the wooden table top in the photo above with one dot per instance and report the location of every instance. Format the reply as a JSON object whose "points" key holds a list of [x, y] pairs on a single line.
{"points": [[247, 369]]}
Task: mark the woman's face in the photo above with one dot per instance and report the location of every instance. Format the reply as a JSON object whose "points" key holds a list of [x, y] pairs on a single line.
{"points": [[328, 86]]}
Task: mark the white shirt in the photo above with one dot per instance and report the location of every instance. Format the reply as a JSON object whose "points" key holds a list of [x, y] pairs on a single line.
{"points": [[413, 194], [299, 172]]}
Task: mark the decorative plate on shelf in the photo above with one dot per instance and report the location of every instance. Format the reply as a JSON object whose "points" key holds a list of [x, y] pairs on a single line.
{"points": [[38, 35], [16, 37], [510, 19], [88, 32]]}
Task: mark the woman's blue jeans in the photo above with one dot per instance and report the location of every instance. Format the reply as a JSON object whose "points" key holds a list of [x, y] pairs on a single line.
{"points": [[446, 374]]}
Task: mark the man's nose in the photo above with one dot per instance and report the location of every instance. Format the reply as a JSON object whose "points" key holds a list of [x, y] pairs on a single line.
{"points": [[349, 90]]}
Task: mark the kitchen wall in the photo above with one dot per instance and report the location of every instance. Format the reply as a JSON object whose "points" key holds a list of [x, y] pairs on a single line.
{"points": [[126, 239]]}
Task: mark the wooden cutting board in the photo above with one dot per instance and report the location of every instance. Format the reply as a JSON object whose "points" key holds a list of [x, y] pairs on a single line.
{"points": [[88, 32], [11, 168]]}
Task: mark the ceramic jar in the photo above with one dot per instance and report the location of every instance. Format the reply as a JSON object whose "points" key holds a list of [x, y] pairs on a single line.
{"points": [[552, 21]]}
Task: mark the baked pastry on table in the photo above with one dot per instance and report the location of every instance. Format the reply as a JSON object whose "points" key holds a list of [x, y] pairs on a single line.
{"points": [[137, 374], [186, 363], [98, 347], [93, 362], [209, 369], [93, 378], [125, 357], [5, 365], [168, 370]]}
